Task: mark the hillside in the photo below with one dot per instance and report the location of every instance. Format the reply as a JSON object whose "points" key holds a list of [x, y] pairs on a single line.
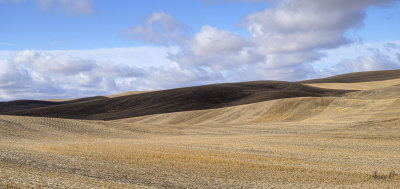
{"points": [[133, 104], [263, 134], [357, 77], [353, 106], [17, 105], [24, 104], [181, 99]]}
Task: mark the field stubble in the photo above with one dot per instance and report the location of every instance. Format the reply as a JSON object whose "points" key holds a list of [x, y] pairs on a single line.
{"points": [[325, 142]]}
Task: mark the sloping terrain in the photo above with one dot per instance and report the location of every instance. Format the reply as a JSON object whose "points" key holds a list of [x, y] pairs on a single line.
{"points": [[357, 77], [182, 99], [356, 86], [133, 104], [244, 135], [24, 104], [17, 105], [354, 106], [350, 141], [291, 109]]}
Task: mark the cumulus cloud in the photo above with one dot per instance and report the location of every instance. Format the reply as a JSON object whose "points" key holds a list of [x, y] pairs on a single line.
{"points": [[216, 49], [34, 74], [158, 28], [285, 39], [64, 65], [211, 41], [12, 76], [178, 75], [381, 57], [290, 35], [364, 63], [306, 25], [38, 74], [261, 72]]}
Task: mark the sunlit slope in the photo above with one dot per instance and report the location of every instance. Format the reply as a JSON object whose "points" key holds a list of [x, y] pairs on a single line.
{"points": [[292, 109], [135, 104], [349, 140], [358, 80], [378, 106], [180, 100], [352, 107], [357, 86], [358, 77]]}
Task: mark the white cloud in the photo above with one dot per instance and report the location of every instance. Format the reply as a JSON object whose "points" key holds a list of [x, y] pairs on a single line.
{"points": [[288, 36], [216, 49], [262, 72], [284, 41], [11, 76], [381, 56], [177, 75], [306, 25], [210, 41], [356, 50], [158, 28], [41, 75], [36, 74], [44, 63], [364, 63], [5, 55], [134, 56]]}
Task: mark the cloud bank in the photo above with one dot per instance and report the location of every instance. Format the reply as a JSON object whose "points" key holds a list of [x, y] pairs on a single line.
{"points": [[284, 41], [34, 74]]}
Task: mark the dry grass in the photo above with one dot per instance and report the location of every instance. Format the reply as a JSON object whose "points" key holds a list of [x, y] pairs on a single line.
{"points": [[357, 86], [330, 142], [254, 155]]}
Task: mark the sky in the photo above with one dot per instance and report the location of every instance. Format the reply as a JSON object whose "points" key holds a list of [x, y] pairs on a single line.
{"points": [[52, 49]]}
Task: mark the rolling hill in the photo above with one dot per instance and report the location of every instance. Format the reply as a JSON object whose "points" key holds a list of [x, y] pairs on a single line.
{"points": [[263, 134], [181, 99], [17, 105], [134, 104], [357, 77]]}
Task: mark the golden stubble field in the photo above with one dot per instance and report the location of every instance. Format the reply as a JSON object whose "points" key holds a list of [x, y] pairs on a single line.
{"points": [[327, 142]]}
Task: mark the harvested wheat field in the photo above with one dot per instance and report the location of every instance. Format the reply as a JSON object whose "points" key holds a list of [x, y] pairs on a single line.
{"points": [[245, 135]]}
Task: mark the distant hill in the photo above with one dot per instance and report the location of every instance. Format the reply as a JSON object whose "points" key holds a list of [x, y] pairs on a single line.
{"points": [[134, 104], [24, 104], [17, 105], [181, 99], [359, 77]]}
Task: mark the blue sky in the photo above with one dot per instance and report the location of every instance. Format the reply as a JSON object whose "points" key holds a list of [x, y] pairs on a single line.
{"points": [[26, 27], [76, 48]]}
